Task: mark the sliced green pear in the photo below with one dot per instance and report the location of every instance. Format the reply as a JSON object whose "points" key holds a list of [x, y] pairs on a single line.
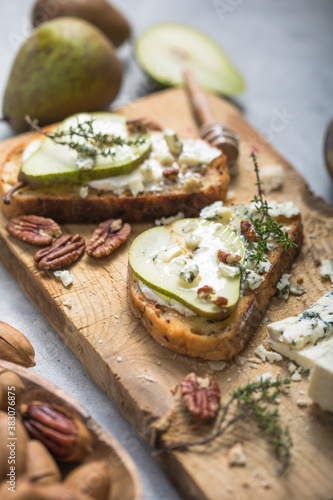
{"points": [[178, 260], [165, 50], [54, 164]]}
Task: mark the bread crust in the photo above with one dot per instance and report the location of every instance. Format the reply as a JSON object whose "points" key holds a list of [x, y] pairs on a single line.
{"points": [[214, 340], [64, 203]]}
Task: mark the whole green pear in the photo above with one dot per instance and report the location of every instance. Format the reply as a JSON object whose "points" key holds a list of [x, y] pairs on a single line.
{"points": [[66, 66], [98, 12]]}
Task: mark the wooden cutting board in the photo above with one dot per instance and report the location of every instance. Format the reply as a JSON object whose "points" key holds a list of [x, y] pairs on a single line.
{"points": [[143, 378]]}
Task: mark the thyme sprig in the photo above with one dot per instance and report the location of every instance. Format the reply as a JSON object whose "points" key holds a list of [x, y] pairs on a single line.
{"points": [[250, 402], [96, 143], [264, 225]]}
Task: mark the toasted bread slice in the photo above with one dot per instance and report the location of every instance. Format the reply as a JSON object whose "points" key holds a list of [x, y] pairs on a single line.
{"points": [[215, 340], [65, 204]]}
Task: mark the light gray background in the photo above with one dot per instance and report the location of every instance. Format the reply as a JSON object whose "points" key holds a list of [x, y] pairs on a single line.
{"points": [[284, 49]]}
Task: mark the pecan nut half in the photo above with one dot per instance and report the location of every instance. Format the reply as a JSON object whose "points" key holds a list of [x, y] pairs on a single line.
{"points": [[201, 396], [228, 258], [34, 229], [205, 291], [141, 125], [64, 251], [248, 231], [65, 437], [220, 301], [171, 173], [109, 235]]}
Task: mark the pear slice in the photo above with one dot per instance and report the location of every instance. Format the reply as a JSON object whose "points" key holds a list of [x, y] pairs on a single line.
{"points": [[177, 260], [165, 50], [54, 164]]}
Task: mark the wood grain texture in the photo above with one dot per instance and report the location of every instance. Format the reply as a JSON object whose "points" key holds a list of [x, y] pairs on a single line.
{"points": [[124, 475], [100, 327]]}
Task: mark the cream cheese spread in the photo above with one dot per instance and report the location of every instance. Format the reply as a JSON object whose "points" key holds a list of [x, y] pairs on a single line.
{"points": [[163, 300]]}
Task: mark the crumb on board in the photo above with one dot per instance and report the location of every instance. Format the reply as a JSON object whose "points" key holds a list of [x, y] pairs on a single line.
{"points": [[236, 455], [264, 376], [292, 368], [264, 354], [302, 403], [145, 377], [296, 377], [65, 277], [217, 365]]}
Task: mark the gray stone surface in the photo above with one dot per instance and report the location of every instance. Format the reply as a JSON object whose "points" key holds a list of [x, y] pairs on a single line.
{"points": [[284, 50]]}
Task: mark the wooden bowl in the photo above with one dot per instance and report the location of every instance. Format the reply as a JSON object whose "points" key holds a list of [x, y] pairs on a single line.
{"points": [[125, 478]]}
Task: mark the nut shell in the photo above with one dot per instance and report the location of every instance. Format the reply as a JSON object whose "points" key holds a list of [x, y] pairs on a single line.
{"points": [[11, 387], [26, 490], [15, 347], [92, 478], [17, 446], [41, 466]]}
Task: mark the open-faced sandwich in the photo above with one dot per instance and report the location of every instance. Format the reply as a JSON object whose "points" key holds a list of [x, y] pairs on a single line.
{"points": [[201, 285], [97, 166]]}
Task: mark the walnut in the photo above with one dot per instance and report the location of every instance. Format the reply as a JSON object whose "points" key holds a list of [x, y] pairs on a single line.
{"points": [[33, 229], [109, 235], [220, 301], [228, 258], [64, 251], [248, 230], [205, 291], [201, 396]]}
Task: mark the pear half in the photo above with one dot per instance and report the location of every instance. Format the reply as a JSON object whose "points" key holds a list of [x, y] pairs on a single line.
{"points": [[162, 256], [54, 164], [165, 50]]}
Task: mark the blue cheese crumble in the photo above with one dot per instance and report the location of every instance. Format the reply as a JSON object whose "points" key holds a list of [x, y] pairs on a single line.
{"points": [[65, 277], [189, 273], [326, 269]]}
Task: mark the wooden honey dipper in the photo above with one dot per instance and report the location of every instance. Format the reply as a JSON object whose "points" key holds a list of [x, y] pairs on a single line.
{"points": [[214, 132]]}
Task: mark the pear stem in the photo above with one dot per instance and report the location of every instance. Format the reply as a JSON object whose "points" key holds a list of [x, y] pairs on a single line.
{"points": [[8, 196], [34, 125]]}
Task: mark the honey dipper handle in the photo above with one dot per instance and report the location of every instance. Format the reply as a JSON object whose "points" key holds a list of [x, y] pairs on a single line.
{"points": [[197, 98]]}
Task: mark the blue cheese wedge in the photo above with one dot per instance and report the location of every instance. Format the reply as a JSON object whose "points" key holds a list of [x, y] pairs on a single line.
{"points": [[304, 338], [304, 357], [321, 382]]}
